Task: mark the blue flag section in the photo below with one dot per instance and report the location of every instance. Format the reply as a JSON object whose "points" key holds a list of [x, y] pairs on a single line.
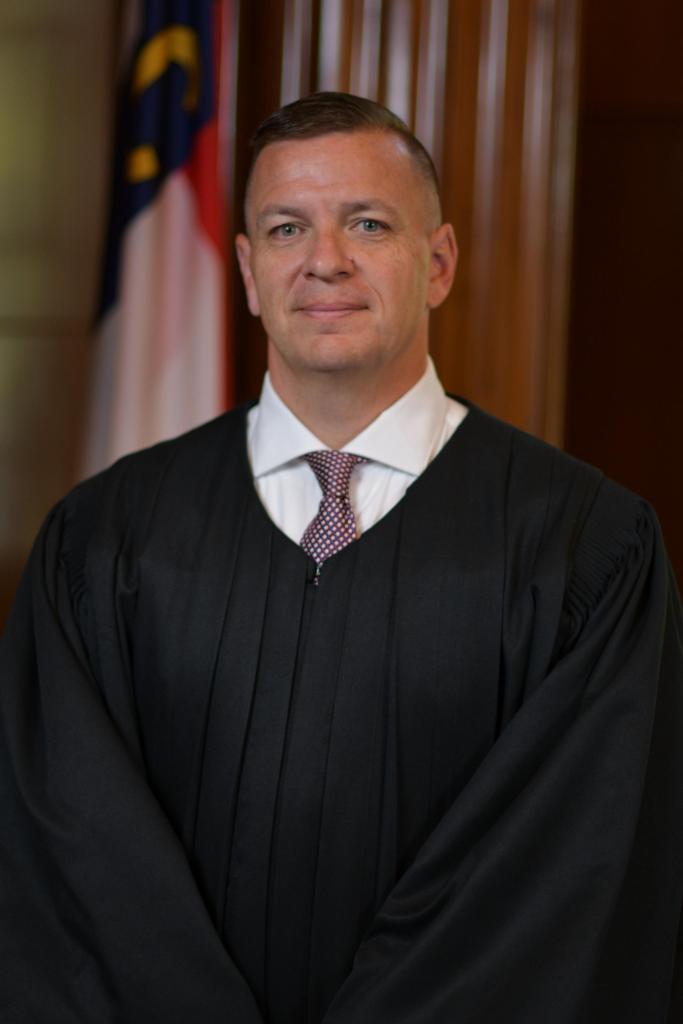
{"points": [[167, 96]]}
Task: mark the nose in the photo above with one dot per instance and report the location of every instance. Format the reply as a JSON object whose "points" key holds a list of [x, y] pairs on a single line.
{"points": [[328, 257]]}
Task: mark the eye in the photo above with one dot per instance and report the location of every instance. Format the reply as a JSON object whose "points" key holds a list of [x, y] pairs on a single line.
{"points": [[285, 231], [370, 226]]}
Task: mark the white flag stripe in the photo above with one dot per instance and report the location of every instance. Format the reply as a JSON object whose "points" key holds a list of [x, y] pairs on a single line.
{"points": [[160, 350]]}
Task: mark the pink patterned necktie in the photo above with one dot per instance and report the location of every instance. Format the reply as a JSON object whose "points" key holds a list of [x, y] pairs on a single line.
{"points": [[334, 525]]}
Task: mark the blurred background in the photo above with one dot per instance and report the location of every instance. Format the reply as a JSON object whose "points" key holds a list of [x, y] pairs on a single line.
{"points": [[557, 130]]}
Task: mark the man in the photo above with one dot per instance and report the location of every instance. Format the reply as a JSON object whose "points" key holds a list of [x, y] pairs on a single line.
{"points": [[356, 705]]}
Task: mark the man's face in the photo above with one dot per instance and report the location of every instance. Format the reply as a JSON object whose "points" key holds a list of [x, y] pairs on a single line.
{"points": [[344, 255]]}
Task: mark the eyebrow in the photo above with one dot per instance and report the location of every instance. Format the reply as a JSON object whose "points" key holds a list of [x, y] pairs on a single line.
{"points": [[279, 211], [360, 205], [357, 206]]}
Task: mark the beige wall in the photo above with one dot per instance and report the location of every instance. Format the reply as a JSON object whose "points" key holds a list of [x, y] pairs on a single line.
{"points": [[55, 114]]}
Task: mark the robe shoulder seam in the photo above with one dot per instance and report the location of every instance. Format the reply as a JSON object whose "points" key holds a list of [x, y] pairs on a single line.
{"points": [[616, 535]]}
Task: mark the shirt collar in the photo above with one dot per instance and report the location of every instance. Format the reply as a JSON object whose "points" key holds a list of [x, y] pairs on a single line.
{"points": [[403, 437]]}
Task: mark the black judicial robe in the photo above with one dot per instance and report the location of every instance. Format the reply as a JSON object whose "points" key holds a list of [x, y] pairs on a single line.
{"points": [[442, 787]]}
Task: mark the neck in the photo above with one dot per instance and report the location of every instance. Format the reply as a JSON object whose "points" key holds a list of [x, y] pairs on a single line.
{"points": [[337, 407]]}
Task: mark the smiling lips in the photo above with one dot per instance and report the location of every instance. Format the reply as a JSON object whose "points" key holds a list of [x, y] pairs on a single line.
{"points": [[331, 310]]}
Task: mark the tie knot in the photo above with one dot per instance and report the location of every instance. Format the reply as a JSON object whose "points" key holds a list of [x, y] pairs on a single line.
{"points": [[333, 471]]}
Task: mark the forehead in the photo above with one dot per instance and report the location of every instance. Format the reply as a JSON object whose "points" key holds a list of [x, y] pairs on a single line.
{"points": [[343, 166]]}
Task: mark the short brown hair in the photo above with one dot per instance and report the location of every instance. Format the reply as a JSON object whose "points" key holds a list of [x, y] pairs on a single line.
{"points": [[323, 113]]}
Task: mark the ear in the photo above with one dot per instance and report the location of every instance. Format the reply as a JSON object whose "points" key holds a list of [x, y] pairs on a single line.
{"points": [[442, 263], [243, 249]]}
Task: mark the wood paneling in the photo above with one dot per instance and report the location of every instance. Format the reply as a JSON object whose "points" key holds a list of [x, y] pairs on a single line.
{"points": [[296, 49], [490, 88], [633, 55], [624, 396], [431, 77], [512, 209], [366, 48]]}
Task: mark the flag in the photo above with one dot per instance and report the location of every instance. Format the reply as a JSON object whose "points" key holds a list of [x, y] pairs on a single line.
{"points": [[159, 363]]}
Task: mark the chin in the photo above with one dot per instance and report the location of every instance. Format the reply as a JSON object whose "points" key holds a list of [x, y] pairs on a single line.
{"points": [[329, 352], [340, 359]]}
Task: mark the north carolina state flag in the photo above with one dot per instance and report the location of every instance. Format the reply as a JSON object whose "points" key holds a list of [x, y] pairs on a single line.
{"points": [[160, 351]]}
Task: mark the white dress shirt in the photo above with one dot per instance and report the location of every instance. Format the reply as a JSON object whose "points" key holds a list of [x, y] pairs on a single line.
{"points": [[400, 444]]}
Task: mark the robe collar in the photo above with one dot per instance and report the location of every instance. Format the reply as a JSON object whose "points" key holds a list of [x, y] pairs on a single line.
{"points": [[404, 437]]}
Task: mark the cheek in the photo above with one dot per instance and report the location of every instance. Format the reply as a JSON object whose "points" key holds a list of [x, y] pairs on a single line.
{"points": [[406, 287], [271, 283], [272, 294]]}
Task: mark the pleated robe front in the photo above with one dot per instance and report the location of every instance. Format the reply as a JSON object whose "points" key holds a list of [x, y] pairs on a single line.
{"points": [[441, 785]]}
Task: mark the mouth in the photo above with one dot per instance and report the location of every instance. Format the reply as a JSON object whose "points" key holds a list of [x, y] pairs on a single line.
{"points": [[331, 310]]}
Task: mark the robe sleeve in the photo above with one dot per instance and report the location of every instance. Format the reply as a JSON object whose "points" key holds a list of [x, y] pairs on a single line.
{"points": [[100, 917], [550, 890]]}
